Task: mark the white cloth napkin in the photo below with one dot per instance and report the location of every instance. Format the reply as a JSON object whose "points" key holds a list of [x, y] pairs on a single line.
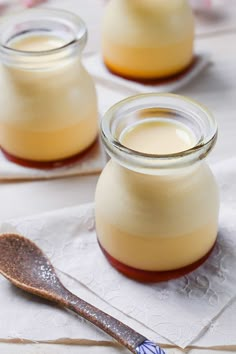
{"points": [[37, 320], [179, 310], [90, 162], [40, 321], [98, 70]]}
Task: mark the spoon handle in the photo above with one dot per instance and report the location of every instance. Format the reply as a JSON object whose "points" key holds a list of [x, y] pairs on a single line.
{"points": [[125, 335]]}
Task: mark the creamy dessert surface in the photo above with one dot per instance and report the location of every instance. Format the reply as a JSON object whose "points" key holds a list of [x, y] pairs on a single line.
{"points": [[50, 113], [157, 222], [37, 43], [158, 136]]}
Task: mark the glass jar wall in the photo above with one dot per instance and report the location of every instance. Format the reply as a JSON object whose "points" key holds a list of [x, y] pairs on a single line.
{"points": [[157, 214], [147, 39], [50, 106]]}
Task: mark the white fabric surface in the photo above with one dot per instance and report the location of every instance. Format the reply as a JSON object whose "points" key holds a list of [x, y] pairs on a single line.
{"points": [[95, 66], [222, 331], [65, 349], [84, 349], [81, 349], [178, 310], [37, 320], [90, 162]]}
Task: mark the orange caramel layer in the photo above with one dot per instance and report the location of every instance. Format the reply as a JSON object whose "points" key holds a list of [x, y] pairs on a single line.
{"points": [[150, 276], [47, 165], [151, 63]]}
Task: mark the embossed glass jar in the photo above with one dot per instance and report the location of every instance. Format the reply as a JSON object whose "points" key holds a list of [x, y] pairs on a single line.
{"points": [[147, 39], [157, 215], [48, 100]]}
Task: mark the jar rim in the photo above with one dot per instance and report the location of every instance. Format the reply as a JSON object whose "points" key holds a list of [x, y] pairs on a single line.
{"points": [[145, 161], [57, 16]]}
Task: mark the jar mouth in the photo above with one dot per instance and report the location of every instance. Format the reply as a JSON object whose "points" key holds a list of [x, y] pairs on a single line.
{"points": [[179, 108], [66, 26]]}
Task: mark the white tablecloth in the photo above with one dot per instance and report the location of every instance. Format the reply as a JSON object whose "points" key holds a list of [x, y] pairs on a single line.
{"points": [[216, 88]]}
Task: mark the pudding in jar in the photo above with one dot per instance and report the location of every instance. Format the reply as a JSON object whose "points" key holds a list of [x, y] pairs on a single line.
{"points": [[50, 106], [156, 200], [147, 39]]}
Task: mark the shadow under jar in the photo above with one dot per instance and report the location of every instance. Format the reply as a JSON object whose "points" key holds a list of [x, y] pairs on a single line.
{"points": [[48, 100], [156, 200]]}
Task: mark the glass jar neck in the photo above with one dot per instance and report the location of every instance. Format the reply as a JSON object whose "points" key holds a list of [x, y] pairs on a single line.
{"points": [[167, 106], [68, 29]]}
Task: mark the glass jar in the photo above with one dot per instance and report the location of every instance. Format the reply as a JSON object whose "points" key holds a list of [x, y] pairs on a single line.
{"points": [[147, 39], [49, 106], [157, 215]]}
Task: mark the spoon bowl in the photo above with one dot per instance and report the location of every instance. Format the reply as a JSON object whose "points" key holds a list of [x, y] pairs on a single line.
{"points": [[24, 264]]}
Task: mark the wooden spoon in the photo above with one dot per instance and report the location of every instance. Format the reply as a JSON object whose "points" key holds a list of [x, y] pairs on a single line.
{"points": [[26, 266]]}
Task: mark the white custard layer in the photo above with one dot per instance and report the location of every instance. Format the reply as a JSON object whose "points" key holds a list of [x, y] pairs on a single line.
{"points": [[158, 136], [160, 222], [48, 114]]}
